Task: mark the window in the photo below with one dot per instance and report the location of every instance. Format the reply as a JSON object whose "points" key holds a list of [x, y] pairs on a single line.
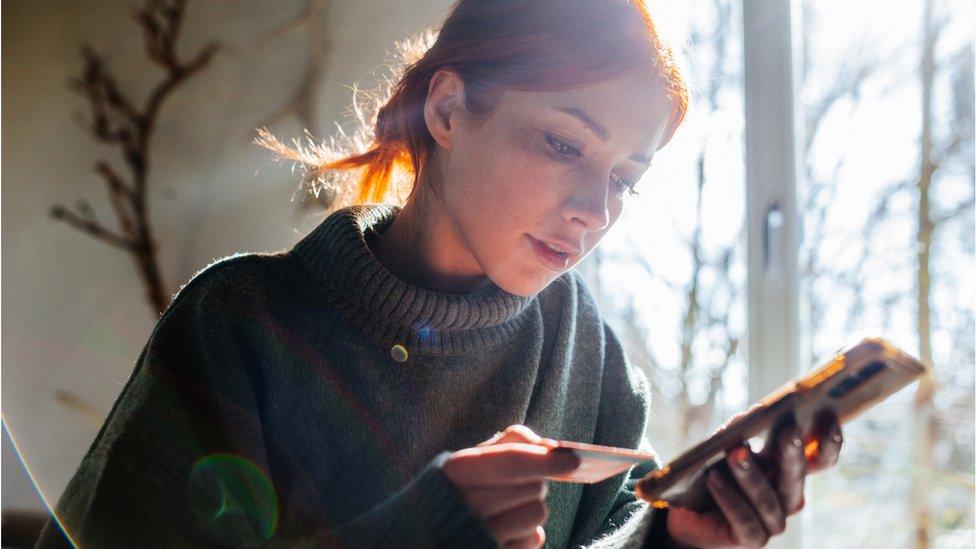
{"points": [[808, 117]]}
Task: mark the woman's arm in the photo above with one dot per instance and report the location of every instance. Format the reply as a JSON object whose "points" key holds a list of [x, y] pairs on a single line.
{"points": [[181, 461]]}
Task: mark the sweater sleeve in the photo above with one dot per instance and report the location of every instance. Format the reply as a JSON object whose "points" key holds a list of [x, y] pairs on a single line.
{"points": [[180, 461], [611, 514]]}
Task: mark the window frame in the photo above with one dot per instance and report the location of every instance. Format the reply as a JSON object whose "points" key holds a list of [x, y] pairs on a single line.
{"points": [[771, 48]]}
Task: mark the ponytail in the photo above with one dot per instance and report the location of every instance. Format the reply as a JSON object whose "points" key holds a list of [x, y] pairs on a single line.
{"points": [[388, 118]]}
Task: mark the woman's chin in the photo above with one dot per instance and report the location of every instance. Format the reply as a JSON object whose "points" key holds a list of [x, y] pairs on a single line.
{"points": [[526, 286]]}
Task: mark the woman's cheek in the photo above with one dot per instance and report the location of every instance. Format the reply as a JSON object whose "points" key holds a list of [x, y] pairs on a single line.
{"points": [[522, 170], [534, 183], [530, 171]]}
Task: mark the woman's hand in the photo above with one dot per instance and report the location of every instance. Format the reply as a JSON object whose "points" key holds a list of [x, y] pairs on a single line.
{"points": [[753, 493], [503, 481]]}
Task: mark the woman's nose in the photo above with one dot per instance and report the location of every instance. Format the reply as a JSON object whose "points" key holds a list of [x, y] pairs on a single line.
{"points": [[588, 206]]}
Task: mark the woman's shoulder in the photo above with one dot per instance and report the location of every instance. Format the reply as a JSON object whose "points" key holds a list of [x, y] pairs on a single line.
{"points": [[232, 280]]}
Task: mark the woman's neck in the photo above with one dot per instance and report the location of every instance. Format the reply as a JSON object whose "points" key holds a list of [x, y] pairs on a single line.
{"points": [[423, 247]]}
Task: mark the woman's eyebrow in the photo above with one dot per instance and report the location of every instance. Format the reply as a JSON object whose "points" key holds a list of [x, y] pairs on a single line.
{"points": [[598, 130]]}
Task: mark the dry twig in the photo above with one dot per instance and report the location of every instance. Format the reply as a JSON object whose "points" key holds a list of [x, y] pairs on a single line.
{"points": [[116, 119]]}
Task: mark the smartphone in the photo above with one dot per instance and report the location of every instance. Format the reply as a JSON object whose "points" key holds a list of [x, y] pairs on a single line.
{"points": [[852, 381]]}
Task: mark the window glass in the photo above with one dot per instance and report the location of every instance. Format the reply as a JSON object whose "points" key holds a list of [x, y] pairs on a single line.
{"points": [[887, 97]]}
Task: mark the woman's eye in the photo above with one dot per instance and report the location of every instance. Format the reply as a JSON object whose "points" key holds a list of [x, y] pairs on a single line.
{"points": [[567, 150], [626, 185], [561, 147]]}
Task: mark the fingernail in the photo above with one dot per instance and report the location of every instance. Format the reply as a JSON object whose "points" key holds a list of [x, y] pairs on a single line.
{"points": [[741, 458], [551, 443], [796, 435], [796, 438]]}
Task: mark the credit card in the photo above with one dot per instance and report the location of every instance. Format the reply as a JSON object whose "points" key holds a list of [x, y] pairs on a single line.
{"points": [[597, 463]]}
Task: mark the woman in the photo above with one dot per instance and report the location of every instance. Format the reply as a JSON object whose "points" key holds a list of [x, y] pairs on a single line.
{"points": [[345, 392]]}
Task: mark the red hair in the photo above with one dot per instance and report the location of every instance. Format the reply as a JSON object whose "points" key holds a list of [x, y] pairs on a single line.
{"points": [[496, 45]]}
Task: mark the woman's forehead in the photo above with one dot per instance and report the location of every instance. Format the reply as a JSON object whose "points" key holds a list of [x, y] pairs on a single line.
{"points": [[628, 108]]}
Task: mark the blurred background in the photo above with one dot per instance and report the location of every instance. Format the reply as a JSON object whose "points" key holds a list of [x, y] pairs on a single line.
{"points": [[100, 228]]}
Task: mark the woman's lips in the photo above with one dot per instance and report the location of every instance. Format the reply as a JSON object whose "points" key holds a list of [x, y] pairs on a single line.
{"points": [[553, 260]]}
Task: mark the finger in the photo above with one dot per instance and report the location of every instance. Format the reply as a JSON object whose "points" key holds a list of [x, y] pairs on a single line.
{"points": [[494, 438], [758, 490], [520, 433], [786, 426], [518, 522], [732, 419], [487, 501], [746, 527], [514, 433], [708, 529], [823, 445], [696, 497], [530, 542], [786, 452], [507, 463]]}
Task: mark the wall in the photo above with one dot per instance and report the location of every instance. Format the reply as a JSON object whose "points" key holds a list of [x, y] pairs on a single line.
{"points": [[74, 316]]}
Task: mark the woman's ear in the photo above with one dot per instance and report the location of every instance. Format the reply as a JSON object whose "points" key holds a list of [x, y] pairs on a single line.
{"points": [[445, 97]]}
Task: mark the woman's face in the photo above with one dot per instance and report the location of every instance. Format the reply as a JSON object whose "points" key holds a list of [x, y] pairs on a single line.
{"points": [[550, 167]]}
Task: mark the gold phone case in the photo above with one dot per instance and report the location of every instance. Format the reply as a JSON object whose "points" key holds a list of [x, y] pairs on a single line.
{"points": [[851, 382]]}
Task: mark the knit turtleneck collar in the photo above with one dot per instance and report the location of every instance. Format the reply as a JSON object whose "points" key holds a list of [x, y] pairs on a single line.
{"points": [[392, 311]]}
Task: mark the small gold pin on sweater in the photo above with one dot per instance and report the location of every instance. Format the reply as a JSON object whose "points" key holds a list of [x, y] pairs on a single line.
{"points": [[399, 353]]}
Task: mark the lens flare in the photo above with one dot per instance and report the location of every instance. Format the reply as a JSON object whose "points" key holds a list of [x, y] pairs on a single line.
{"points": [[238, 498]]}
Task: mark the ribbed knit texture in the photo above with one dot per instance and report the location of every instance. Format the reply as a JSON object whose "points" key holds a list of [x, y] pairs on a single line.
{"points": [[310, 398], [392, 311]]}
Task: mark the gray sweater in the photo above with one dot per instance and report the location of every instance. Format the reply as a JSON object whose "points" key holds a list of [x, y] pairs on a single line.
{"points": [[310, 397]]}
